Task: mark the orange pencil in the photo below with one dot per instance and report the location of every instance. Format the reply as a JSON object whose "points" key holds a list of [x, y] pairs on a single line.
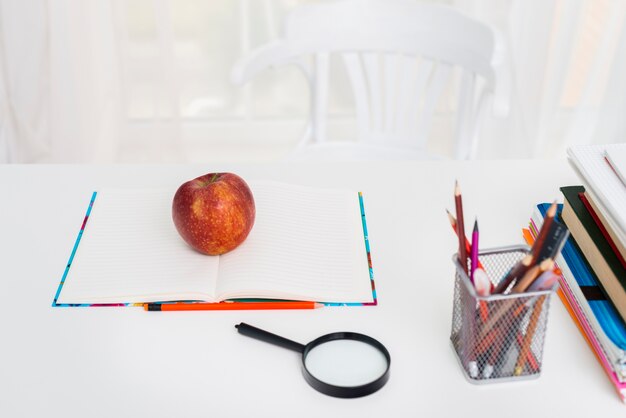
{"points": [[230, 306], [530, 331]]}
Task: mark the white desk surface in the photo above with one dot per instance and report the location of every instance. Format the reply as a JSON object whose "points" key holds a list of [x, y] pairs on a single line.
{"points": [[110, 362]]}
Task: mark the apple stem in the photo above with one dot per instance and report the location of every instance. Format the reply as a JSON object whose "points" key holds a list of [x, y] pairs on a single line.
{"points": [[214, 177]]}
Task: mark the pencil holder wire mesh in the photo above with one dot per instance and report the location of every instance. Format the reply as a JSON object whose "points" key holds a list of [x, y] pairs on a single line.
{"points": [[499, 337]]}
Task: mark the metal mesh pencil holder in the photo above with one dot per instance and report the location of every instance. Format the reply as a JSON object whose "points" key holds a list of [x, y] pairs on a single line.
{"points": [[498, 337]]}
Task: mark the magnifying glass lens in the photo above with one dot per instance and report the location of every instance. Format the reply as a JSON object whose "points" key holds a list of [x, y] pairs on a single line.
{"points": [[346, 363], [340, 364]]}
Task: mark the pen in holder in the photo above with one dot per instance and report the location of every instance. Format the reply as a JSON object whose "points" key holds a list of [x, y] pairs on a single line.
{"points": [[498, 337]]}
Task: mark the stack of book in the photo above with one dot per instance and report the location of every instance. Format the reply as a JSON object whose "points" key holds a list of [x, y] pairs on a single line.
{"points": [[592, 262]]}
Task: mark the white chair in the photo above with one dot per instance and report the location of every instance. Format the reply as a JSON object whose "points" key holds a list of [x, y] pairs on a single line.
{"points": [[400, 56]]}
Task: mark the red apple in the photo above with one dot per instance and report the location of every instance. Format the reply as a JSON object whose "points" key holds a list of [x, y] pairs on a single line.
{"points": [[214, 213]]}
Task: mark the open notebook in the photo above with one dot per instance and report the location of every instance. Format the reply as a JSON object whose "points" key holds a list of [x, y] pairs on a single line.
{"points": [[306, 244]]}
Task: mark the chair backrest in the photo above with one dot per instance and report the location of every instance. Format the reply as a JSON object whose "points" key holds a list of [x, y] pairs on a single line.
{"points": [[399, 56]]}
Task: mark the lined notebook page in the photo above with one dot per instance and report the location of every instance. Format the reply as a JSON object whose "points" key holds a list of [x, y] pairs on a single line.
{"points": [[306, 244], [131, 252]]}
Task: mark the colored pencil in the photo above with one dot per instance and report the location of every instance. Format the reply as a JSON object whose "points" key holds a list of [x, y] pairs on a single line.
{"points": [[474, 251], [521, 286], [532, 360], [468, 246], [545, 281], [543, 232], [482, 282], [460, 226], [230, 306], [533, 273], [525, 348], [493, 354], [509, 331], [502, 309], [483, 288], [484, 308], [517, 271]]}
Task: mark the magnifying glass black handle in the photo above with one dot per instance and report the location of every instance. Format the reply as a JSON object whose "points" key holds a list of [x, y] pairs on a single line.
{"points": [[268, 337]]}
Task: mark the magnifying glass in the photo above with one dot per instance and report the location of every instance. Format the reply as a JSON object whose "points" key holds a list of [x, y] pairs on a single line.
{"points": [[340, 364]]}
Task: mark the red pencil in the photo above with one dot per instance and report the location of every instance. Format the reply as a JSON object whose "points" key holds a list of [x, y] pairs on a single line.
{"points": [[468, 246], [484, 308], [230, 306]]}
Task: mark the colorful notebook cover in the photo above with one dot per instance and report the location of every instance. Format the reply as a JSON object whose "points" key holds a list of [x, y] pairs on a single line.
{"points": [[609, 320], [84, 225], [606, 314], [583, 326], [597, 250]]}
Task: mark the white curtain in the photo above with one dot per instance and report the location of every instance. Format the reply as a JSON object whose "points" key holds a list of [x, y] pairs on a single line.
{"points": [[23, 95], [87, 80], [59, 81], [568, 70], [599, 116]]}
